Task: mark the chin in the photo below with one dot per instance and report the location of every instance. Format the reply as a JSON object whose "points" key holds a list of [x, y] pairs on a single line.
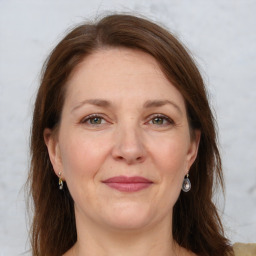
{"points": [[128, 218]]}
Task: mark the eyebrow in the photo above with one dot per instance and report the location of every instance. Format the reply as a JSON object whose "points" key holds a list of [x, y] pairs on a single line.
{"points": [[147, 104], [160, 103], [95, 102]]}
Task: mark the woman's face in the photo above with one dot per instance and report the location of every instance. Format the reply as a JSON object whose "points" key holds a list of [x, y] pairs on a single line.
{"points": [[123, 144]]}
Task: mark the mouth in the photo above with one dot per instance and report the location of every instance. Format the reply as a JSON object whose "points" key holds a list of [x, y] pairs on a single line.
{"points": [[128, 184]]}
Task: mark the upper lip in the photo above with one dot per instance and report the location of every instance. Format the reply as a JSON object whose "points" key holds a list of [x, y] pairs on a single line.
{"points": [[125, 179]]}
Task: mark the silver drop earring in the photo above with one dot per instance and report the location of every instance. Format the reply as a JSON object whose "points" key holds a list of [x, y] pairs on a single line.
{"points": [[60, 182], [186, 185]]}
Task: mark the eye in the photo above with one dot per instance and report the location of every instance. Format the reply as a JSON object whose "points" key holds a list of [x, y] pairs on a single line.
{"points": [[93, 120], [160, 120]]}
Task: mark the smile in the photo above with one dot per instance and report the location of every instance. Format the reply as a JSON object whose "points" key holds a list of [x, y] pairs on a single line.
{"points": [[128, 184]]}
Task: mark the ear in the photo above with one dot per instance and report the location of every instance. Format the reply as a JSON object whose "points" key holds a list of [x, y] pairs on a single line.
{"points": [[193, 149], [51, 141]]}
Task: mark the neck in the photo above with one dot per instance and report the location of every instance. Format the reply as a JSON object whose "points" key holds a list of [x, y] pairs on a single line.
{"points": [[149, 241]]}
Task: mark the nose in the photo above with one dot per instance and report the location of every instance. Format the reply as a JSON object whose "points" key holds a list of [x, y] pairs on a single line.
{"points": [[128, 145]]}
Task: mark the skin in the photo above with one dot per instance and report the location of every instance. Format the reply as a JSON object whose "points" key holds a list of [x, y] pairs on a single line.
{"points": [[135, 132]]}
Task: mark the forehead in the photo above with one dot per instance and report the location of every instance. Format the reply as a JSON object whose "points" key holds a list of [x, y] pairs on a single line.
{"points": [[120, 74]]}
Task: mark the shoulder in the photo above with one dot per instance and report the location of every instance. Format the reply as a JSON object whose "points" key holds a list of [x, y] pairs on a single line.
{"points": [[242, 249]]}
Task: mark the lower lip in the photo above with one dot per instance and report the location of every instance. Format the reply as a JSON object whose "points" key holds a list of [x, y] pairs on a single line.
{"points": [[128, 187]]}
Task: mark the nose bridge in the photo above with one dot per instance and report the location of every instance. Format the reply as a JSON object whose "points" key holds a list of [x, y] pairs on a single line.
{"points": [[129, 145]]}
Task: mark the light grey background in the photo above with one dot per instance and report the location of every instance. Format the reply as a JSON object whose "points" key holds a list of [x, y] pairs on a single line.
{"points": [[220, 34]]}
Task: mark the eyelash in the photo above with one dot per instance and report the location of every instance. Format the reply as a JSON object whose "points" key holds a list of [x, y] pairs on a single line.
{"points": [[150, 118], [90, 117], [164, 117]]}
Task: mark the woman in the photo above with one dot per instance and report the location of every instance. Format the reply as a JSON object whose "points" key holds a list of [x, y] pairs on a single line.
{"points": [[124, 153]]}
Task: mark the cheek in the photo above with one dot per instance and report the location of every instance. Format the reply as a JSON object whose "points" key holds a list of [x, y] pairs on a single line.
{"points": [[172, 167], [170, 159], [171, 154], [82, 159], [82, 155], [170, 163]]}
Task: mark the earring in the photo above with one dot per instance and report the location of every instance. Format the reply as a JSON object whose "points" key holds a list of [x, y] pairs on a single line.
{"points": [[186, 185], [60, 182]]}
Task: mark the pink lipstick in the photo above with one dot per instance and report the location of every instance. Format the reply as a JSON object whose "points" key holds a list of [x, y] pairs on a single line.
{"points": [[128, 184]]}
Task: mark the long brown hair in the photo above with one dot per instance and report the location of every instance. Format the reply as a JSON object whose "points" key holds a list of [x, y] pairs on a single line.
{"points": [[196, 223]]}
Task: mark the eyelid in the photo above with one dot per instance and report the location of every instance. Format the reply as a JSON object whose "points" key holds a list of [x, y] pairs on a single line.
{"points": [[149, 118], [167, 118], [88, 117]]}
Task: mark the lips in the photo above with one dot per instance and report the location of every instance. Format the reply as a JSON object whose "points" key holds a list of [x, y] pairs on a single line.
{"points": [[128, 184]]}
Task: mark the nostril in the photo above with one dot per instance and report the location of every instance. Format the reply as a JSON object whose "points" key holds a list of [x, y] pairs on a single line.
{"points": [[120, 158], [128, 149], [129, 160]]}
